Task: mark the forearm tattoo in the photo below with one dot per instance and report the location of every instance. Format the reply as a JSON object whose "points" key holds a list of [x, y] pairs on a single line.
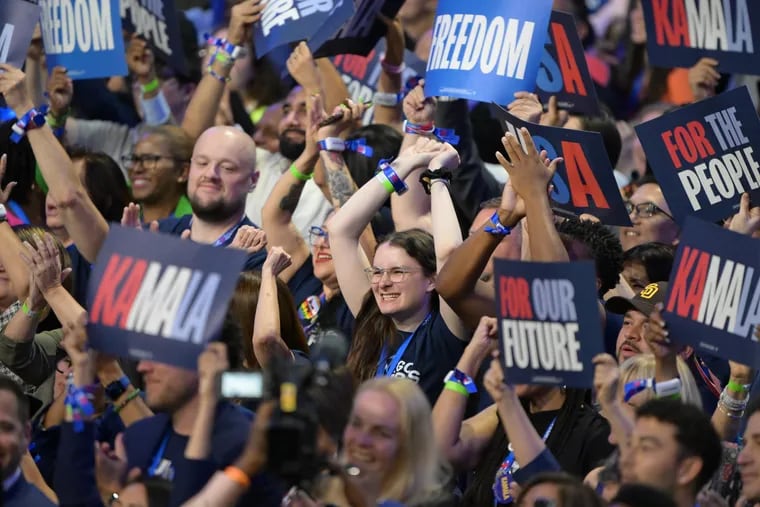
{"points": [[339, 180], [290, 201]]}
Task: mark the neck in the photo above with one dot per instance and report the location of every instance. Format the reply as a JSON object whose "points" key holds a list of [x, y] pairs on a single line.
{"points": [[158, 210], [184, 417], [684, 497], [208, 232], [61, 235], [331, 287], [550, 400], [409, 323]]}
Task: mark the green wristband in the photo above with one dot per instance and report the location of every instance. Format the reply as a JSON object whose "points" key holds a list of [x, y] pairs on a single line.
{"points": [[736, 387], [456, 387], [382, 178], [134, 394], [151, 86], [298, 174]]}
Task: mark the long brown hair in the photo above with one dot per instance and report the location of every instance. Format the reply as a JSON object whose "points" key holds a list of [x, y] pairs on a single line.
{"points": [[372, 328], [243, 308]]}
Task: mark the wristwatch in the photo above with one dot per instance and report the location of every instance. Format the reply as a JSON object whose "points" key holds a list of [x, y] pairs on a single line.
{"points": [[3, 214], [115, 389]]}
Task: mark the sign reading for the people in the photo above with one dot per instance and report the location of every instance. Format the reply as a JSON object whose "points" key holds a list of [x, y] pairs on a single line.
{"points": [[83, 37], [704, 155], [286, 21], [548, 322], [156, 22], [563, 72], [159, 297], [486, 51], [713, 302], [358, 35], [17, 21], [680, 32], [584, 182]]}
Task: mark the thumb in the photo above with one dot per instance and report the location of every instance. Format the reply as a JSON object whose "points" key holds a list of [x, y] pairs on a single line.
{"points": [[65, 273], [154, 226], [185, 234], [119, 448], [9, 188], [555, 163]]}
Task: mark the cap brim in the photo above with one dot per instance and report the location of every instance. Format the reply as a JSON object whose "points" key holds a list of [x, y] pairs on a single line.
{"points": [[619, 305]]}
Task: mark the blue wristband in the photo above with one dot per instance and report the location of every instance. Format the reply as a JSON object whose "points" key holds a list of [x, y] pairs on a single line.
{"points": [[398, 184], [496, 228]]}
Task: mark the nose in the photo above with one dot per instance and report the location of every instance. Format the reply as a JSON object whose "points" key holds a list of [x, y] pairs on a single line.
{"points": [[385, 279], [744, 457]]}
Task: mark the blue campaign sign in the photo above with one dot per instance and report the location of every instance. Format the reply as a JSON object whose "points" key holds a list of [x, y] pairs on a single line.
{"points": [[680, 32], [86, 40], [486, 51], [548, 322], [17, 21], [703, 155], [563, 72], [358, 35], [584, 182], [713, 301], [286, 21], [156, 22], [159, 297]]}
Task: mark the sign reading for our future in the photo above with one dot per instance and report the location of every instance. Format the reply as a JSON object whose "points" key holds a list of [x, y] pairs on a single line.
{"points": [[83, 36], [584, 182], [156, 22], [486, 51], [159, 297], [563, 72], [680, 32], [704, 155], [548, 322], [713, 302], [17, 21], [286, 21]]}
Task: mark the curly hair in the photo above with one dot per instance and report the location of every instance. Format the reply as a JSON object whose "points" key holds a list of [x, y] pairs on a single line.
{"points": [[604, 246]]}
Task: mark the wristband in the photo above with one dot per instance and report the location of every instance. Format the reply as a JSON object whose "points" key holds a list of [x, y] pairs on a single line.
{"points": [[459, 377], [668, 388], [398, 184], [332, 144], [496, 228], [131, 396], [231, 49], [385, 182], [420, 130], [211, 72], [222, 58], [79, 406], [428, 177], [737, 388], [34, 118], [390, 68], [238, 476], [456, 387], [298, 174], [387, 99], [151, 86], [359, 146]]}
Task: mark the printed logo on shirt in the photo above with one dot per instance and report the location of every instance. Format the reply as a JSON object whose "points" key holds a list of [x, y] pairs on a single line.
{"points": [[165, 470], [406, 370]]}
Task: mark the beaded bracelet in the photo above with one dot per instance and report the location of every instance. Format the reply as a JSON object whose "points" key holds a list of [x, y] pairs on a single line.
{"points": [[211, 72], [131, 396]]}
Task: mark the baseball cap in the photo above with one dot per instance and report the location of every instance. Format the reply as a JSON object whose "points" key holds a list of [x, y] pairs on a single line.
{"points": [[644, 301]]}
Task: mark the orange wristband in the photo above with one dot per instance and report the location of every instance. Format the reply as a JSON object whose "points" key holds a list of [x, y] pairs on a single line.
{"points": [[238, 476]]}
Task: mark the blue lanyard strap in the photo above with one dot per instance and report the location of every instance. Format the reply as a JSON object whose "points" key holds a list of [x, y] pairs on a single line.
{"points": [[158, 457], [385, 368], [225, 238]]}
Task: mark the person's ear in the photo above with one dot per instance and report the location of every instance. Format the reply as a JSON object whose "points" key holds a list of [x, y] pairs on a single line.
{"points": [[688, 470]]}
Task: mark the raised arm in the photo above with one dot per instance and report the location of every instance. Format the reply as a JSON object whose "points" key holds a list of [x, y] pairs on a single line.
{"points": [[606, 382], [12, 248], [389, 82], [267, 340]]}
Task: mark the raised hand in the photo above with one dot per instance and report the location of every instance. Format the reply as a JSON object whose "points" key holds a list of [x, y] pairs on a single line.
{"points": [[747, 220], [484, 340], [211, 363], [417, 108], [606, 379], [277, 261], [60, 90], [422, 152], [526, 106], [44, 264], [346, 114], [494, 380], [5, 193], [446, 159], [248, 238], [303, 68], [75, 344], [242, 18], [554, 116], [140, 59], [703, 78], [528, 172], [13, 88]]}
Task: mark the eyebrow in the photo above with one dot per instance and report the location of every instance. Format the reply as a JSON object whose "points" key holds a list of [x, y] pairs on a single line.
{"points": [[650, 439]]}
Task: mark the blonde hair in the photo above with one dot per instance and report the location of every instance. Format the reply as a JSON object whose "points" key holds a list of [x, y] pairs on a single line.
{"points": [[643, 366], [419, 470]]}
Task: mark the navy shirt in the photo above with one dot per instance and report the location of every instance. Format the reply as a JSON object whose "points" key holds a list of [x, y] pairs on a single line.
{"points": [[80, 270]]}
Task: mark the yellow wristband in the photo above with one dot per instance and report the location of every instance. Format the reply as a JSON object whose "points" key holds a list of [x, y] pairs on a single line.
{"points": [[298, 174]]}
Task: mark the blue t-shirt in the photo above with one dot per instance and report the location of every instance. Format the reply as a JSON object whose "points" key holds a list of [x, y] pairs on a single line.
{"points": [[80, 270]]}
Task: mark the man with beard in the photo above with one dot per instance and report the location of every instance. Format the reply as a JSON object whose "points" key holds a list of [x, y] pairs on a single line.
{"points": [[312, 208], [222, 172]]}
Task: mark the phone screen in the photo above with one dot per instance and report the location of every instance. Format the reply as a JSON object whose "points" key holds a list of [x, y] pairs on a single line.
{"points": [[242, 385]]}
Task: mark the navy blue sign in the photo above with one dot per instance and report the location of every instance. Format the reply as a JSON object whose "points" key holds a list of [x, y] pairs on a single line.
{"points": [[704, 155], [358, 35], [548, 322], [713, 302], [159, 297], [286, 21], [584, 182], [563, 72], [156, 22], [17, 21], [85, 40], [680, 32], [486, 51]]}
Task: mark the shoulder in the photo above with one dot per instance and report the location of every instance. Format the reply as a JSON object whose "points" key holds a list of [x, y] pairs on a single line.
{"points": [[28, 495], [174, 225]]}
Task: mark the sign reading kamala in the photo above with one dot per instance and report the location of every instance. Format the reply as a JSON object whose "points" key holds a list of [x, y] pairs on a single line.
{"points": [[713, 302], [548, 322], [563, 71], [703, 155], [17, 21], [159, 297], [486, 50], [156, 22], [584, 182], [83, 36], [285, 21], [680, 32]]}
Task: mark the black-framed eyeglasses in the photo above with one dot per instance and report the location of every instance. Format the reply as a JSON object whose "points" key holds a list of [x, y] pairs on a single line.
{"points": [[149, 161], [646, 209], [316, 233], [396, 275]]}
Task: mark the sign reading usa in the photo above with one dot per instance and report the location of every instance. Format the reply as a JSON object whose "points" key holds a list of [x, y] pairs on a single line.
{"points": [[584, 182], [563, 72], [17, 21], [158, 297], [680, 32], [83, 37], [548, 322], [486, 51], [156, 22], [714, 299], [704, 155]]}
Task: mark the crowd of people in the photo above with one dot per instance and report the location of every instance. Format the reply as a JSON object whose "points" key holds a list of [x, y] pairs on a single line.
{"points": [[381, 233]]}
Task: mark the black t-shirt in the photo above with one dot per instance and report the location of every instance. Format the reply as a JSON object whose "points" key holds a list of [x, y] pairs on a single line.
{"points": [[80, 270]]}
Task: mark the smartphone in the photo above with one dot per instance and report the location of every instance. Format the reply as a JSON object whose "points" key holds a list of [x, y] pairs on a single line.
{"points": [[242, 385]]}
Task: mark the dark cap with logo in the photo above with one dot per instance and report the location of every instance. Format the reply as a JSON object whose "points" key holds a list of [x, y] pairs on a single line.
{"points": [[644, 301]]}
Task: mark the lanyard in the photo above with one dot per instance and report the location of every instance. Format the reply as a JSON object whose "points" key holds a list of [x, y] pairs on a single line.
{"points": [[225, 238], [503, 479], [385, 368], [158, 457], [18, 211]]}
